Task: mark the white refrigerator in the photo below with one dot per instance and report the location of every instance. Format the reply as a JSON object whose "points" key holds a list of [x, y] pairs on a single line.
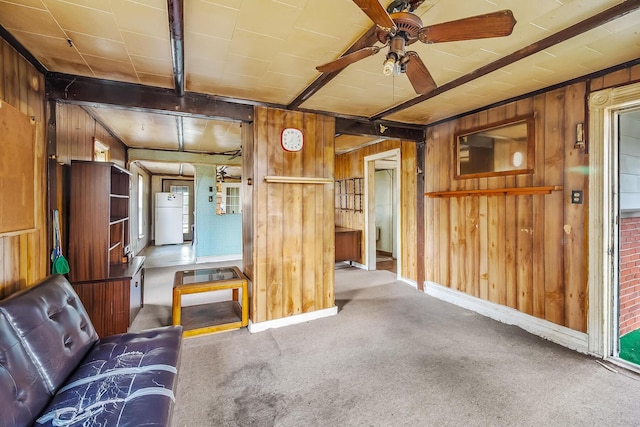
{"points": [[168, 218]]}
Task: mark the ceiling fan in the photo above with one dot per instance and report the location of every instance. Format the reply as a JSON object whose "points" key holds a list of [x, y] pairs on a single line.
{"points": [[398, 29]]}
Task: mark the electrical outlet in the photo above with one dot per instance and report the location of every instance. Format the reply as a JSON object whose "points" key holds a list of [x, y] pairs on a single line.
{"points": [[210, 198], [576, 197]]}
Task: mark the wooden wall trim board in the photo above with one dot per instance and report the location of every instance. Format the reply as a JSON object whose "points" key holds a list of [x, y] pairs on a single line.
{"points": [[297, 180], [512, 191]]}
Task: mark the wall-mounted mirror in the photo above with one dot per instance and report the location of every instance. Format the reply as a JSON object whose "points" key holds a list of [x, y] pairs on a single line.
{"points": [[503, 148]]}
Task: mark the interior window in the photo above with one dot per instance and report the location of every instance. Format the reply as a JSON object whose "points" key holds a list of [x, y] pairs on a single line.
{"points": [[233, 201], [100, 151]]}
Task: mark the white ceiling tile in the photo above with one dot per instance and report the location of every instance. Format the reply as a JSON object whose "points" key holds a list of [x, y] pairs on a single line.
{"points": [[87, 20]]}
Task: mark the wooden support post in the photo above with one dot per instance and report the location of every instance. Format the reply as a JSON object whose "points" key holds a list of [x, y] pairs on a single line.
{"points": [[420, 226]]}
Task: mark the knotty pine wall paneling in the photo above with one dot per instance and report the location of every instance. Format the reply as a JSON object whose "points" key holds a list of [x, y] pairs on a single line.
{"points": [[24, 256], [288, 227], [351, 165], [526, 252]]}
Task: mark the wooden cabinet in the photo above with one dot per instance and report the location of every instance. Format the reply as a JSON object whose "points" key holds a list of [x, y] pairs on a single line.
{"points": [[348, 244], [110, 287]]}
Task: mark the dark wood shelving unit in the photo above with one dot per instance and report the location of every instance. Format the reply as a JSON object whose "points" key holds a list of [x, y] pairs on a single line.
{"points": [[109, 285]]}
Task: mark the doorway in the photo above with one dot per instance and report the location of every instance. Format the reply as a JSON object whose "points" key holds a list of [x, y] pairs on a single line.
{"points": [[626, 333], [386, 215], [382, 211], [614, 207], [186, 188]]}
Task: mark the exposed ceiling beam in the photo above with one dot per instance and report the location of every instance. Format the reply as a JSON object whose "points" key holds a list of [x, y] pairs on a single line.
{"points": [[182, 157], [590, 23], [368, 39], [380, 129], [96, 92], [176, 21]]}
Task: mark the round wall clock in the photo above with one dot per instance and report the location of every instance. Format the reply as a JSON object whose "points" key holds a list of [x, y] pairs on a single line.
{"points": [[291, 139]]}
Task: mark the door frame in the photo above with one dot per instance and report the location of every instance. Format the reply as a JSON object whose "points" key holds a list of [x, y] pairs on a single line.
{"points": [[370, 207], [604, 107]]}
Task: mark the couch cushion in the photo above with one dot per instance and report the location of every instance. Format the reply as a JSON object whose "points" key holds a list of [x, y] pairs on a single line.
{"points": [[54, 326], [125, 380], [23, 392]]}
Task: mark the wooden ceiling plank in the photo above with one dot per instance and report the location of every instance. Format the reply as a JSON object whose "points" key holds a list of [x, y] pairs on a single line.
{"points": [[590, 23], [176, 23], [96, 92], [367, 39]]}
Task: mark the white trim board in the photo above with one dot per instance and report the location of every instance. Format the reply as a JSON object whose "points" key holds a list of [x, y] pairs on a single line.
{"points": [[411, 283], [562, 335], [219, 258], [292, 320]]}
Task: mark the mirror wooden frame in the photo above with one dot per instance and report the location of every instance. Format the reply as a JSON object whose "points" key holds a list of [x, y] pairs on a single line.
{"points": [[528, 162]]}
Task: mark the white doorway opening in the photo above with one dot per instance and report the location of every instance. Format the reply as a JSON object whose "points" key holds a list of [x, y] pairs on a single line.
{"points": [[605, 108], [389, 161]]}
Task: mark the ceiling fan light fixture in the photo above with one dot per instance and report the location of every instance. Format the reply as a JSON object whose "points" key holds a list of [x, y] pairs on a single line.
{"points": [[389, 65]]}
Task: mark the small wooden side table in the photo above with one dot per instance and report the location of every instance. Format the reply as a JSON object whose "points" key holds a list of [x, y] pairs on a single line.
{"points": [[213, 317]]}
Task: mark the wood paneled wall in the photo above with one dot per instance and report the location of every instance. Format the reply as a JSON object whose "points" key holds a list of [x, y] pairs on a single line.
{"points": [[351, 165], [76, 130], [617, 78], [523, 251], [24, 256], [75, 133], [290, 226]]}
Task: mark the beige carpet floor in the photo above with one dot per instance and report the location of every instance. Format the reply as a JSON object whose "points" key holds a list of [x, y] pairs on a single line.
{"points": [[392, 356]]}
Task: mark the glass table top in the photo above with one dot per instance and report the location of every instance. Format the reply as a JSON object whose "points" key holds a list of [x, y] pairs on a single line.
{"points": [[208, 275]]}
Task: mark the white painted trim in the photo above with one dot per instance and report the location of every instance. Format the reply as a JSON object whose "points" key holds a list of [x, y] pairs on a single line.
{"points": [[292, 320], [601, 319], [355, 264], [558, 334], [220, 258], [411, 283], [624, 364], [370, 229]]}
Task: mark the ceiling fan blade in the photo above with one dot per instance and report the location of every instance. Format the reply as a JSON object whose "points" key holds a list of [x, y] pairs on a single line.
{"points": [[495, 24], [418, 74], [376, 13], [349, 59]]}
